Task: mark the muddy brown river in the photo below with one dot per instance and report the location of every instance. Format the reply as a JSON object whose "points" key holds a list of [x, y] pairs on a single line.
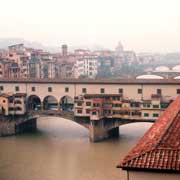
{"points": [[60, 150]]}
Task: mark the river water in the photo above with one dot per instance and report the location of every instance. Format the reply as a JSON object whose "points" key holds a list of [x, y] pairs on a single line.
{"points": [[60, 150]]}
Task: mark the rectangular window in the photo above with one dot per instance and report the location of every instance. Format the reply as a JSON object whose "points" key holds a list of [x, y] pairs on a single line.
{"points": [[159, 91], [10, 100], [155, 106], [88, 103], [116, 98], [96, 105], [163, 106], [1, 88], [84, 90], [178, 91], [116, 105], [79, 104], [146, 105], [120, 91], [94, 113], [113, 98], [135, 105], [79, 111], [66, 89], [139, 91], [87, 111], [17, 88], [33, 89], [10, 108], [49, 89], [146, 114], [102, 90], [155, 115]]}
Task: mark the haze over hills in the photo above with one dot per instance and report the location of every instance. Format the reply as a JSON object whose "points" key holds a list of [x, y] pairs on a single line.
{"points": [[5, 42], [173, 57]]}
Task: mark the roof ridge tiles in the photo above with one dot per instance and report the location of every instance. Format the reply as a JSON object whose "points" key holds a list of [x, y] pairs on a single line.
{"points": [[154, 136], [170, 123]]}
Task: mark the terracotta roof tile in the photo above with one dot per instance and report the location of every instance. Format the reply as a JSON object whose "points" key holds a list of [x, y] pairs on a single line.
{"points": [[159, 148], [5, 95]]}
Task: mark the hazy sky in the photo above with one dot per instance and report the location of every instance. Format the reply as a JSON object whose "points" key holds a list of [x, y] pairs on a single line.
{"points": [[141, 25]]}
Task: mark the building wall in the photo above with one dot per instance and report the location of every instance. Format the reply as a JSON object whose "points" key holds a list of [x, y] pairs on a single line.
{"points": [[58, 90], [151, 112], [4, 104], [86, 66], [133, 175], [21, 105], [9, 107]]}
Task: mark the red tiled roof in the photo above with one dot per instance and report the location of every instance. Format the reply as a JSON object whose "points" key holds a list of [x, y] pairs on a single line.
{"points": [[5, 95], [20, 94], [156, 96], [159, 148]]}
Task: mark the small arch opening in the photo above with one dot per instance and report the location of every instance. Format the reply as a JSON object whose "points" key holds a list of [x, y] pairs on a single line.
{"points": [[50, 103], [34, 103], [67, 103]]}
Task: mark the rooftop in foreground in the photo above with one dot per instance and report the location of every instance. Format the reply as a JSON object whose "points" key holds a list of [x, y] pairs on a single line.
{"points": [[159, 148]]}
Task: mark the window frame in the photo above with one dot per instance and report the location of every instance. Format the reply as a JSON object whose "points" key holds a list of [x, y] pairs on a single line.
{"points": [[17, 89], [120, 90], [102, 90], [140, 91], [159, 91], [50, 89], [33, 88], [66, 89], [84, 90]]}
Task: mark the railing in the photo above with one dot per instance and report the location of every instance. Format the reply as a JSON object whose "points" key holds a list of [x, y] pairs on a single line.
{"points": [[17, 117]]}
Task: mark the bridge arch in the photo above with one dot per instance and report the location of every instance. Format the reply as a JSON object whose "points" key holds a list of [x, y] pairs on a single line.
{"points": [[34, 102], [176, 68], [50, 103], [149, 76], [137, 121], [67, 103]]}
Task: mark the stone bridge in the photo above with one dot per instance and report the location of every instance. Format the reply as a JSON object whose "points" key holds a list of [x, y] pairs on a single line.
{"points": [[62, 114], [99, 129]]}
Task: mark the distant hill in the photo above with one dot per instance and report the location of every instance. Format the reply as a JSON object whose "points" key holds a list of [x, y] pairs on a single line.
{"points": [[172, 57], [5, 42]]}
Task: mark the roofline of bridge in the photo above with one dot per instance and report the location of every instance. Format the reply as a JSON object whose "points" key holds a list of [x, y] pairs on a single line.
{"points": [[93, 81]]}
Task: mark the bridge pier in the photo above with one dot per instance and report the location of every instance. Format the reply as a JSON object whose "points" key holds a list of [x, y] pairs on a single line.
{"points": [[7, 128], [114, 132], [12, 126], [98, 130], [26, 126]]}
